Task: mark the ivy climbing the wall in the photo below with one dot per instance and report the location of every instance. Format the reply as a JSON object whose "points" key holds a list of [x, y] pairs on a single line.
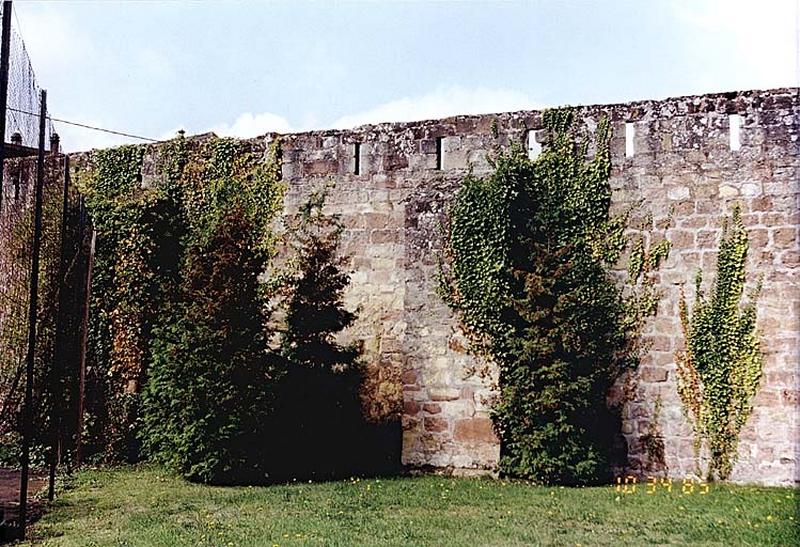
{"points": [[720, 370], [528, 270], [124, 293], [145, 229]]}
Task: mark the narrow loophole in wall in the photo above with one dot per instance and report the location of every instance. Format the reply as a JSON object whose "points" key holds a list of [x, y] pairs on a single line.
{"points": [[534, 147], [629, 134], [735, 127], [17, 182], [357, 158], [439, 152]]}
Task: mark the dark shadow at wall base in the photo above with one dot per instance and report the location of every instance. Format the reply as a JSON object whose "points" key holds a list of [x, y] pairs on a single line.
{"points": [[318, 432], [373, 450]]}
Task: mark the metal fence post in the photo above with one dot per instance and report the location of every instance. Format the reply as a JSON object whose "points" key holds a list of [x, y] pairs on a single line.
{"points": [[84, 337], [27, 411], [5, 52], [57, 377]]}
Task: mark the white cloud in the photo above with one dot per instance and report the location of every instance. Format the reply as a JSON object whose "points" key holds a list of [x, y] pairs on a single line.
{"points": [[252, 125], [442, 102], [761, 36], [246, 126]]}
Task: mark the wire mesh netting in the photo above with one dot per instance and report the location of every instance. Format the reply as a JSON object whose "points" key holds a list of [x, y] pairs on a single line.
{"points": [[58, 313], [39, 431], [22, 112]]}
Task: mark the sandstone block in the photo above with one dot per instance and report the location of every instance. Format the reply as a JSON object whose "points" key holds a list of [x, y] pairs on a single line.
{"points": [[409, 377], [432, 408], [435, 425], [444, 393], [411, 407], [678, 192], [653, 374], [681, 239], [475, 431], [784, 237]]}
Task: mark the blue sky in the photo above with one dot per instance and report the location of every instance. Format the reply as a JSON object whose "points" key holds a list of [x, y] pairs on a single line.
{"points": [[245, 68]]}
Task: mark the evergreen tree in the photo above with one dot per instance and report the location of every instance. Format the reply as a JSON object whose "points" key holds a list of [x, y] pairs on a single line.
{"points": [[210, 391]]}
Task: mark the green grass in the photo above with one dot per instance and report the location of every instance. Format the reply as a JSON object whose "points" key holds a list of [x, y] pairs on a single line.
{"points": [[148, 506]]}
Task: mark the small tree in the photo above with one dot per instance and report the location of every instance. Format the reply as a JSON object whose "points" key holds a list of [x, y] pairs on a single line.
{"points": [[319, 408], [210, 389], [720, 370]]}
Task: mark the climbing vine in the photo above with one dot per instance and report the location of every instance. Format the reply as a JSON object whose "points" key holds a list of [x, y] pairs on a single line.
{"points": [[527, 268], [720, 370], [144, 226], [122, 294]]}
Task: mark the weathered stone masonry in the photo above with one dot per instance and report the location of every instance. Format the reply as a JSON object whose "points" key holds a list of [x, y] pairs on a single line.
{"points": [[682, 162], [682, 168]]}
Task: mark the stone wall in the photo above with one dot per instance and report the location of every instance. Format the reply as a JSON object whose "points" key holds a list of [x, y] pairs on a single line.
{"points": [[393, 199], [682, 166]]}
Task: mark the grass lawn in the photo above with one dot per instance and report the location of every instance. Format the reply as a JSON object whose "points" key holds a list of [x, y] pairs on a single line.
{"points": [[147, 506]]}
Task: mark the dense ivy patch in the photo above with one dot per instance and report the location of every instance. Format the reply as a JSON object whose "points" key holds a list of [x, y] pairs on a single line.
{"points": [[144, 230], [191, 366]]}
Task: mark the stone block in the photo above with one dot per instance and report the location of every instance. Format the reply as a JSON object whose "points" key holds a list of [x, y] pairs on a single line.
{"points": [[678, 192], [653, 374], [410, 377], [432, 408], [475, 431], [444, 393], [681, 239], [435, 425], [784, 237], [411, 407]]}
